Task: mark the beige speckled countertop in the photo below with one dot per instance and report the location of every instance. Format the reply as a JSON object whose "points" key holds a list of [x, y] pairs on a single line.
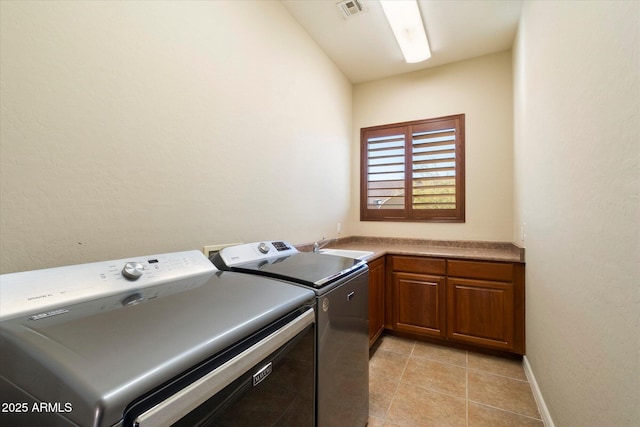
{"points": [[486, 251]]}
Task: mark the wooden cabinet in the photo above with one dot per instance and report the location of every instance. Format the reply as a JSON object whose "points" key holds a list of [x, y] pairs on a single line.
{"points": [[485, 304], [418, 295], [419, 304], [376, 299], [473, 302]]}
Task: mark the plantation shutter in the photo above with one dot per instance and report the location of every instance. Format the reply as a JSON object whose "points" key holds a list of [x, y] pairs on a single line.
{"points": [[434, 168], [414, 171], [386, 164]]}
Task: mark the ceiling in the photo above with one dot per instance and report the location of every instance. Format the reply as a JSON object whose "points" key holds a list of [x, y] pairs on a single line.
{"points": [[364, 47]]}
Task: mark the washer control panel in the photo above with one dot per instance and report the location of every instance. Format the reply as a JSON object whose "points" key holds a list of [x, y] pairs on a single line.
{"points": [[37, 291]]}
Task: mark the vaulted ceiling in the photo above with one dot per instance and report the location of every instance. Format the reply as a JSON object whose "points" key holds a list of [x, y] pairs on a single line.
{"points": [[364, 47]]}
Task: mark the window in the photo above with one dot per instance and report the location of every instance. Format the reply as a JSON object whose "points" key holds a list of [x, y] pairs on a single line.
{"points": [[413, 171]]}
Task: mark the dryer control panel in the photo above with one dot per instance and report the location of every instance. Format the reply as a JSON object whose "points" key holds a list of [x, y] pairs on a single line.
{"points": [[44, 291], [248, 252]]}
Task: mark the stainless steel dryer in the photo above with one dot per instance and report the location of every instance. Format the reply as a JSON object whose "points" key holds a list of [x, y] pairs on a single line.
{"points": [[341, 288], [155, 341]]}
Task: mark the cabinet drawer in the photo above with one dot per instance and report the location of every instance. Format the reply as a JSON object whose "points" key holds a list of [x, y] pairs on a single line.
{"points": [[418, 265], [502, 272]]}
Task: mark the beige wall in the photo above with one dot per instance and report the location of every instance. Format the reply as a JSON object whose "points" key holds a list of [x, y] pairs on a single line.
{"points": [[480, 88], [577, 167], [131, 128]]}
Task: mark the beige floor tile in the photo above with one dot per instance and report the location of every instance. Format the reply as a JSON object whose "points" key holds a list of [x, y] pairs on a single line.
{"points": [[501, 392], [381, 392], [417, 407], [484, 416], [387, 363], [436, 376], [440, 353], [497, 365], [396, 344], [418, 384]]}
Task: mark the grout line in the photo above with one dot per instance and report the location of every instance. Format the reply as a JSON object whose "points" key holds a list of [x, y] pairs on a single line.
{"points": [[433, 359], [506, 410], [466, 388], [413, 348], [395, 392], [499, 375]]}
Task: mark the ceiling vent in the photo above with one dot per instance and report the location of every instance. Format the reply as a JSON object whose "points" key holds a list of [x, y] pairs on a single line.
{"points": [[350, 8]]}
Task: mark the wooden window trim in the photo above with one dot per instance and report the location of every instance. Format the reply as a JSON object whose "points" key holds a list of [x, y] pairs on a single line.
{"points": [[406, 211]]}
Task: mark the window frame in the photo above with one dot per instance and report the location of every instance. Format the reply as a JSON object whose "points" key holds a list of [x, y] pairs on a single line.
{"points": [[408, 213]]}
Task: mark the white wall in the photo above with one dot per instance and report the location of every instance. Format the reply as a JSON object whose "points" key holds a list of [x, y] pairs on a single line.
{"points": [[131, 128], [480, 88], [577, 167]]}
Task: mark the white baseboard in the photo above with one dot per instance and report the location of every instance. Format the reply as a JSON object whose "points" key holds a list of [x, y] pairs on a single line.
{"points": [[537, 395]]}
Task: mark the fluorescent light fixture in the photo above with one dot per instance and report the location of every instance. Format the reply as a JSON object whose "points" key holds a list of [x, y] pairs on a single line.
{"points": [[406, 24]]}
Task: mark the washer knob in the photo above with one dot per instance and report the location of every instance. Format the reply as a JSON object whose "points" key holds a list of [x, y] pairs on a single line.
{"points": [[263, 247], [133, 270], [133, 299]]}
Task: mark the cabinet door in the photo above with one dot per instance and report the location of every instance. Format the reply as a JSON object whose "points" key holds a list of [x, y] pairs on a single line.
{"points": [[376, 299], [419, 303], [480, 312]]}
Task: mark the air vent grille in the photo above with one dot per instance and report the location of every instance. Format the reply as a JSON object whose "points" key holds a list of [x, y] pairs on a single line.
{"points": [[350, 8]]}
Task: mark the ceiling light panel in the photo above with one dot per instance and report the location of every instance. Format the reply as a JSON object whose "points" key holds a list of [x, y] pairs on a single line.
{"points": [[406, 24]]}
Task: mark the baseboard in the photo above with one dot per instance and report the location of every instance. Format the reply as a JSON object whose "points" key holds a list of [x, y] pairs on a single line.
{"points": [[537, 395]]}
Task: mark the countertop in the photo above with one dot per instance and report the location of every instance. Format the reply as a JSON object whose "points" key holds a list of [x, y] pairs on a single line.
{"points": [[462, 249]]}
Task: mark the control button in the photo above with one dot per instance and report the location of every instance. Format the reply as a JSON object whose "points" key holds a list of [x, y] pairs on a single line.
{"points": [[133, 299], [280, 246], [133, 270], [263, 247]]}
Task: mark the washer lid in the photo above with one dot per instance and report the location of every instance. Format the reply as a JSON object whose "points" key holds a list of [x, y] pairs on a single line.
{"points": [[100, 355], [306, 268]]}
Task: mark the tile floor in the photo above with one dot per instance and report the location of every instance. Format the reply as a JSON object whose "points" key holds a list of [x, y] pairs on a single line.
{"points": [[416, 384]]}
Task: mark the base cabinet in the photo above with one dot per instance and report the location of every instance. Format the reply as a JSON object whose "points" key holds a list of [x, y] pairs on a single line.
{"points": [[485, 304], [416, 295], [480, 312], [419, 304], [472, 302], [376, 299]]}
